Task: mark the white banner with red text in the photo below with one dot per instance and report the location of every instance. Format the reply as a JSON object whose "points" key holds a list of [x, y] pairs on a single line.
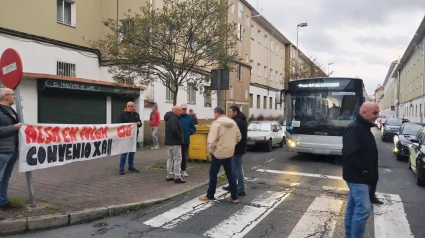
{"points": [[48, 145]]}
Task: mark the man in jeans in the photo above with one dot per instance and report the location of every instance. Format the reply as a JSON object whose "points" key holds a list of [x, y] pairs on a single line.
{"points": [[9, 127], [129, 116], [188, 130], [223, 136], [154, 121], [174, 141], [360, 168], [240, 149]]}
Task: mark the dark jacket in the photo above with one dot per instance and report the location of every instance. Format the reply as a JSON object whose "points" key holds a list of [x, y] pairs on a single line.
{"points": [[188, 127], [8, 132], [130, 117], [360, 153], [173, 129], [240, 120]]}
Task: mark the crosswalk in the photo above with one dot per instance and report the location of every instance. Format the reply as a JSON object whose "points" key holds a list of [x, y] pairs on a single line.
{"points": [[320, 217]]}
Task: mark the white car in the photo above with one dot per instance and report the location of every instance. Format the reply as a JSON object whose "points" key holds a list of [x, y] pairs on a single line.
{"points": [[265, 134]]}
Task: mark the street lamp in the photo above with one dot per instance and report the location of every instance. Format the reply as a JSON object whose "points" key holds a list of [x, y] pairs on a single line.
{"points": [[304, 24], [328, 67]]}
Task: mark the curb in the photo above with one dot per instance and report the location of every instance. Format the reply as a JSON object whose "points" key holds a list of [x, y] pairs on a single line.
{"points": [[8, 227]]}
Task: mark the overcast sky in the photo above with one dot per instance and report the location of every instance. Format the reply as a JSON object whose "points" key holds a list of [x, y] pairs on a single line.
{"points": [[361, 38]]}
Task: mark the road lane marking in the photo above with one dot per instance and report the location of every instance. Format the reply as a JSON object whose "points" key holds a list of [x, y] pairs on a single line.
{"points": [[319, 220], [182, 213], [270, 160], [240, 223], [299, 174], [390, 218]]}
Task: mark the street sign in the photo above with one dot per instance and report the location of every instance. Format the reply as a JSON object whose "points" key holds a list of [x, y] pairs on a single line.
{"points": [[220, 79], [10, 68]]}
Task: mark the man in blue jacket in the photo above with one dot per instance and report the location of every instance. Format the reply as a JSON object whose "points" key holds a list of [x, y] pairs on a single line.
{"points": [[188, 129]]}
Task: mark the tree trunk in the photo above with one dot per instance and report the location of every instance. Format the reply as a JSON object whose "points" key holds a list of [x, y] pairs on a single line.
{"points": [[175, 97]]}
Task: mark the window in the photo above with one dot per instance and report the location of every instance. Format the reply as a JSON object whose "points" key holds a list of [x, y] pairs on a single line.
{"points": [[247, 20], [169, 95], [191, 95], [252, 32], [65, 69], [240, 29], [231, 92], [277, 77], [275, 106], [66, 12], [270, 102], [272, 46], [240, 10], [265, 41], [252, 66], [232, 8], [251, 100], [265, 72], [281, 51], [271, 74], [277, 49], [259, 36], [258, 69], [258, 101], [231, 52], [125, 24], [265, 102], [239, 72], [207, 97]]}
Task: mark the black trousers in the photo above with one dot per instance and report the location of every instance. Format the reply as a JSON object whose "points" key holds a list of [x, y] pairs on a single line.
{"points": [[372, 191], [185, 156]]}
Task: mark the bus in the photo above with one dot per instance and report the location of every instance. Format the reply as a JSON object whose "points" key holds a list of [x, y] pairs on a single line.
{"points": [[318, 111]]}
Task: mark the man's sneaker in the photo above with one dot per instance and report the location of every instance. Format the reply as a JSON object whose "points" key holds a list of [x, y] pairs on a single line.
{"points": [[204, 198], [230, 199], [242, 194], [179, 180], [375, 201], [9, 205], [227, 188], [121, 172], [2, 217], [156, 147], [169, 179], [133, 170], [184, 174]]}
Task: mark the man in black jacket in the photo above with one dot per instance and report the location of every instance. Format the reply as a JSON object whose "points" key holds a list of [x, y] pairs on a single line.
{"points": [[173, 141], [129, 116], [9, 127], [360, 168], [240, 148]]}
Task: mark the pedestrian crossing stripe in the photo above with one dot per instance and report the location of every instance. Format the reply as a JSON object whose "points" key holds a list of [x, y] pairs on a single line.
{"points": [[390, 219]]}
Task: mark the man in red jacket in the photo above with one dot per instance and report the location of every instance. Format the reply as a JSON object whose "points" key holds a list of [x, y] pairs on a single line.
{"points": [[154, 121]]}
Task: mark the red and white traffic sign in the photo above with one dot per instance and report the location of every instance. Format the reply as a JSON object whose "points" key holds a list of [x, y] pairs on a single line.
{"points": [[10, 68]]}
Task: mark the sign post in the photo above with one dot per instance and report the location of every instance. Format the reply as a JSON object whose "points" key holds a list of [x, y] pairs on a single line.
{"points": [[11, 75]]}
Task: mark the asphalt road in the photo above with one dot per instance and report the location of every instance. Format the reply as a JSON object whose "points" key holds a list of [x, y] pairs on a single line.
{"points": [[287, 196]]}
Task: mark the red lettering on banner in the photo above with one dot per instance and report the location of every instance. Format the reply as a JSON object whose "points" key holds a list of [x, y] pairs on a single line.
{"points": [[124, 131], [49, 137], [73, 133], [104, 132], [55, 133], [85, 133], [30, 134], [65, 136], [92, 134], [40, 139]]}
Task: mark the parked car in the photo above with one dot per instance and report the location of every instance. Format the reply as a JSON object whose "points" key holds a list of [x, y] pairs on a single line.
{"points": [[390, 128], [402, 139], [417, 157], [265, 134]]}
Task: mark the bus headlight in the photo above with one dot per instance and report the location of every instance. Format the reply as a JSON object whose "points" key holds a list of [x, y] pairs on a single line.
{"points": [[291, 143]]}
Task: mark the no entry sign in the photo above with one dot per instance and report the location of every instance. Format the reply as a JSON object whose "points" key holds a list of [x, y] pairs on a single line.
{"points": [[10, 68]]}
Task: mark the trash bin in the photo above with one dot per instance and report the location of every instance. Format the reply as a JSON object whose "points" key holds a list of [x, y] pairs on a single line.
{"points": [[198, 144]]}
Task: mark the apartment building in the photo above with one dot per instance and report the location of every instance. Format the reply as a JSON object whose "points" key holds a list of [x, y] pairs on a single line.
{"points": [[389, 92], [405, 84]]}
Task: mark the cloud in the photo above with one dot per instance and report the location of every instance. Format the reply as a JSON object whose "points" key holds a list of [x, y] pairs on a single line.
{"points": [[360, 37]]}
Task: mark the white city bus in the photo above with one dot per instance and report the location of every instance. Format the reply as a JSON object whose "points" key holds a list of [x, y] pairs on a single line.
{"points": [[318, 111]]}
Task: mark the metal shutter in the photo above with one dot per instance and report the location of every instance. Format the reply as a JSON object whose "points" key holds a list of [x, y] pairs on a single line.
{"points": [[118, 106]]}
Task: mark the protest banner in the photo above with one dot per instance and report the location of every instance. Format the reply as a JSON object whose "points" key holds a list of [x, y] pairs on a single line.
{"points": [[49, 145]]}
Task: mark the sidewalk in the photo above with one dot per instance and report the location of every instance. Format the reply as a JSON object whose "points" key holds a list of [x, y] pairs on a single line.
{"points": [[96, 183]]}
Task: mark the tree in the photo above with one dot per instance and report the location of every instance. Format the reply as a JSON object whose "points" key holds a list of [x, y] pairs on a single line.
{"points": [[176, 45], [309, 68]]}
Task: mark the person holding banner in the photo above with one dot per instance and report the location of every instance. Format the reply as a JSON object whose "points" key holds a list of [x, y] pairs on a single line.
{"points": [[174, 140], [129, 116], [9, 127]]}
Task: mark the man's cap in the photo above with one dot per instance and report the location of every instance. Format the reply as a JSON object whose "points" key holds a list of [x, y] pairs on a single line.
{"points": [[183, 106]]}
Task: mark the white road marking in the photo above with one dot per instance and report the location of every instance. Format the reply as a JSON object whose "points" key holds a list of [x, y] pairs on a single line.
{"points": [[319, 220], [182, 213], [390, 218], [240, 223], [255, 167], [250, 179], [387, 171], [299, 174], [270, 160]]}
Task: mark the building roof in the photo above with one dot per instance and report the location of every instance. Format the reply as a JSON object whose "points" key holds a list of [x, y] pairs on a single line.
{"points": [[390, 71], [416, 40]]}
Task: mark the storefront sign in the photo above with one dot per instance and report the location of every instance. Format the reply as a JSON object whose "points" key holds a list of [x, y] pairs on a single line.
{"points": [[72, 85], [49, 145], [50, 84]]}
